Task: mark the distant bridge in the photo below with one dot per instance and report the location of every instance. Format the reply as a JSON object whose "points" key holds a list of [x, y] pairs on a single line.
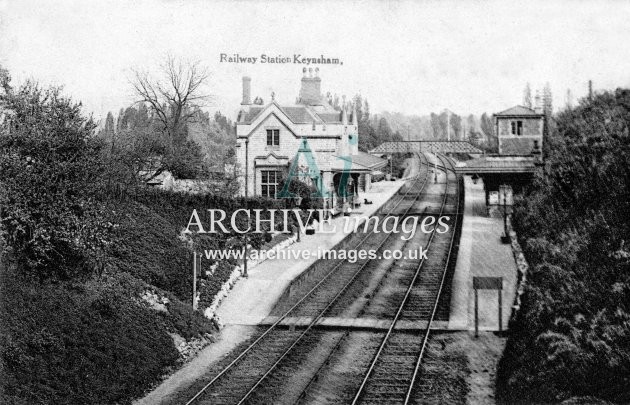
{"points": [[427, 146]]}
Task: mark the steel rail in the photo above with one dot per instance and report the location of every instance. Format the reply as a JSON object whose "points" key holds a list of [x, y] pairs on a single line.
{"points": [[279, 320], [330, 304], [390, 330], [336, 347], [437, 298]]}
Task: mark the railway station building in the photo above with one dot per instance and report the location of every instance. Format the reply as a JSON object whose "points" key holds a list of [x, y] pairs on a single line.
{"points": [[519, 131], [322, 139]]}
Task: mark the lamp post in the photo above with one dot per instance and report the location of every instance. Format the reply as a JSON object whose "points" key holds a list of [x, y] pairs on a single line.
{"points": [[505, 230], [245, 240], [505, 238]]}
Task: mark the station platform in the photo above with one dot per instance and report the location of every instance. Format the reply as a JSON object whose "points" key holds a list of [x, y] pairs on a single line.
{"points": [[365, 324], [253, 298], [481, 254]]}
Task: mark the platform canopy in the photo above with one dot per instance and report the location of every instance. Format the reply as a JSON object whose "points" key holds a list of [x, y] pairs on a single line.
{"points": [[427, 146], [498, 164]]}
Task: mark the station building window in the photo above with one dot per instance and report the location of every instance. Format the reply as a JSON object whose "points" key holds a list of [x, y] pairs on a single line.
{"points": [[273, 137], [269, 180]]}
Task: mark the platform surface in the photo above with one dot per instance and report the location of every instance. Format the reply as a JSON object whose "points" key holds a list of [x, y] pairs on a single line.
{"points": [[481, 254]]}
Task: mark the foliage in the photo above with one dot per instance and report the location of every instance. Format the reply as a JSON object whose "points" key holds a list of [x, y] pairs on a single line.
{"points": [[572, 334], [527, 96], [73, 328], [148, 242], [174, 99], [136, 148], [51, 175], [491, 144], [70, 343]]}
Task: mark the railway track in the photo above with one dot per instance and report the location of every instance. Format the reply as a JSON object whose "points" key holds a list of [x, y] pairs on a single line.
{"points": [[394, 366], [237, 382]]}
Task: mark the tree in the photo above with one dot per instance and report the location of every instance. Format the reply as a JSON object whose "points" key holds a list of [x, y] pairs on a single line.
{"points": [[436, 127], [214, 138], [569, 101], [547, 100], [383, 131], [173, 100], [570, 336], [50, 176], [109, 129], [487, 128], [367, 134], [456, 127], [486, 125], [5, 80], [474, 137], [548, 111], [527, 96], [471, 122]]}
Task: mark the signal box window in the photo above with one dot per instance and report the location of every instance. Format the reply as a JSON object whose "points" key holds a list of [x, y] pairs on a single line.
{"points": [[517, 127]]}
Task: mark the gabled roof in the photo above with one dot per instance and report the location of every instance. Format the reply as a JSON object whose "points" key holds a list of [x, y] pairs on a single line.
{"points": [[251, 115], [297, 114], [518, 111]]}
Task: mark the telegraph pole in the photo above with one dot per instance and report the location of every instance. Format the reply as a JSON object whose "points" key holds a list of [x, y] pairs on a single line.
{"points": [[194, 297], [448, 124]]}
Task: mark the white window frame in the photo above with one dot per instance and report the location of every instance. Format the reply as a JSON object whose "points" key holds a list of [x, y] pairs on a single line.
{"points": [[269, 188]]}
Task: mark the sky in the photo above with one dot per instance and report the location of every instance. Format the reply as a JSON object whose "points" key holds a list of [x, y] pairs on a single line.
{"points": [[409, 57]]}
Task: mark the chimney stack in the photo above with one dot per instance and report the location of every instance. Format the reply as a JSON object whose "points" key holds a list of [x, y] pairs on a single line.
{"points": [[310, 93], [247, 90]]}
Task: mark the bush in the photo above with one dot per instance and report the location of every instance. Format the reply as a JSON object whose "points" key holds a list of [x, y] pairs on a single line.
{"points": [[69, 344], [571, 337], [50, 171]]}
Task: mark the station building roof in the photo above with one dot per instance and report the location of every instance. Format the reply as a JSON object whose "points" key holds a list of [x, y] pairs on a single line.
{"points": [[497, 164], [519, 111]]}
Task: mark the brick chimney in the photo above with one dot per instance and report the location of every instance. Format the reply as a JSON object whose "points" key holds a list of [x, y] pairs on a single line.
{"points": [[310, 93], [247, 90]]}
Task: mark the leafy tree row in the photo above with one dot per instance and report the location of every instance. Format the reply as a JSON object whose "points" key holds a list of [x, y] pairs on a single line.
{"points": [[572, 334]]}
